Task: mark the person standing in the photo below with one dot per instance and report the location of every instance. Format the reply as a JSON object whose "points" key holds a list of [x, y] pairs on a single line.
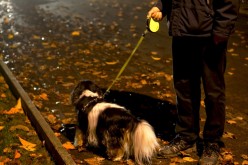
{"points": [[200, 30]]}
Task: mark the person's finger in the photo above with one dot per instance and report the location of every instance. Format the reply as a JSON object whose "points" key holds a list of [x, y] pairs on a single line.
{"points": [[152, 11], [157, 16]]}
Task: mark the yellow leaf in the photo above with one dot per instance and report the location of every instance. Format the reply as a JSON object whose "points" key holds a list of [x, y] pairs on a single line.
{"points": [[189, 159], [6, 20], [112, 62], [229, 135], [75, 33], [156, 58], [7, 150], [136, 85], [143, 82], [69, 146], [202, 103], [228, 158], [27, 145], [53, 45], [154, 53], [168, 77], [245, 162], [10, 36], [230, 50], [235, 54], [17, 155], [68, 84], [20, 127], [96, 73], [1, 128], [244, 156], [36, 37], [45, 43], [239, 118], [18, 104], [35, 155]]}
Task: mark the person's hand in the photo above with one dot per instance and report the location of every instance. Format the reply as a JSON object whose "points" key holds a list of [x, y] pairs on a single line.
{"points": [[155, 13]]}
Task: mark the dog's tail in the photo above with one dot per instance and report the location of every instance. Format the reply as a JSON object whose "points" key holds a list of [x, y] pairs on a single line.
{"points": [[145, 143]]}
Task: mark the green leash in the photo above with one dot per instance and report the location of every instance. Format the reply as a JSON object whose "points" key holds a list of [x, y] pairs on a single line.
{"points": [[152, 26]]}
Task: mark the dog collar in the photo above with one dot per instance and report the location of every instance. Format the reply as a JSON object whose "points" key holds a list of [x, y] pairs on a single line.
{"points": [[95, 100]]}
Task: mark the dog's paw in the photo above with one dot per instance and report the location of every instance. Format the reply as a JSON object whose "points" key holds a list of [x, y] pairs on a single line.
{"points": [[81, 148], [117, 159], [78, 139]]}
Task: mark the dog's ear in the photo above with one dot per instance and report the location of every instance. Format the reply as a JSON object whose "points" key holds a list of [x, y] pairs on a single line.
{"points": [[82, 86], [95, 89], [76, 92]]}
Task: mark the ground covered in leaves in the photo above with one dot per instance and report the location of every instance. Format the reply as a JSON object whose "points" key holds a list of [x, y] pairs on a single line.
{"points": [[51, 45], [19, 143]]}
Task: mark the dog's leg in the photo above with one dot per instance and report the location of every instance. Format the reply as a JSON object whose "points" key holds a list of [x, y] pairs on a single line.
{"points": [[114, 147], [78, 139]]}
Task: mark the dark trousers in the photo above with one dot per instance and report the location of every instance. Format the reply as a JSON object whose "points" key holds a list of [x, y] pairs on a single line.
{"points": [[196, 61]]}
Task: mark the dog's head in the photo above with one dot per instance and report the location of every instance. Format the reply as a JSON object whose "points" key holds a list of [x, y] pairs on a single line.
{"points": [[85, 88]]}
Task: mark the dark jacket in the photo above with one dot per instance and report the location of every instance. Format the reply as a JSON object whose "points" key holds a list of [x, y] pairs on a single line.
{"points": [[199, 18]]}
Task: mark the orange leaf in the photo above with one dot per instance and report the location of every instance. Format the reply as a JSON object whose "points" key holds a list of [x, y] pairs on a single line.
{"points": [[4, 161], [17, 155], [69, 146], [143, 82], [12, 111], [1, 128], [51, 118], [57, 134], [44, 96], [231, 122], [16, 109], [94, 160], [244, 162]]}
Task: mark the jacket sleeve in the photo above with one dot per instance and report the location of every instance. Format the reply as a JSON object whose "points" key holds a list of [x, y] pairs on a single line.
{"points": [[225, 16], [162, 5]]}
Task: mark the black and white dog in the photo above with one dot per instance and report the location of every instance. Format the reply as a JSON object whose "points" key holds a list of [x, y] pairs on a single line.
{"points": [[111, 126]]}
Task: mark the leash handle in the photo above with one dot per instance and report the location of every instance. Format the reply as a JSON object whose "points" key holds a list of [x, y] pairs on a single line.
{"points": [[127, 61], [152, 25]]}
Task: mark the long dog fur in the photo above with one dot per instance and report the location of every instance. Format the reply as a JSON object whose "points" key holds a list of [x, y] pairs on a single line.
{"points": [[112, 126]]}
